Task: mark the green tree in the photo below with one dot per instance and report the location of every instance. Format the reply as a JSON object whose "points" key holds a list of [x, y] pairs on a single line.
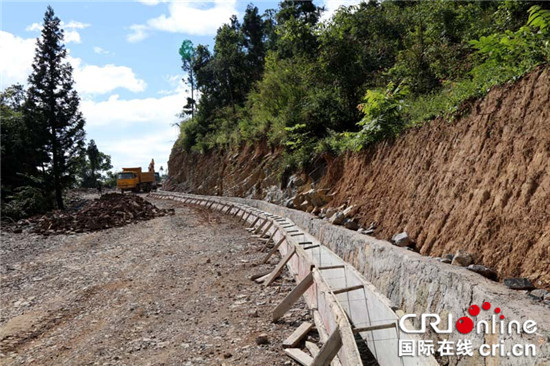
{"points": [[52, 108], [95, 162], [187, 53]]}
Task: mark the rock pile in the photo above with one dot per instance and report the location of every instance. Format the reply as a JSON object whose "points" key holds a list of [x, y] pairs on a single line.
{"points": [[110, 210]]}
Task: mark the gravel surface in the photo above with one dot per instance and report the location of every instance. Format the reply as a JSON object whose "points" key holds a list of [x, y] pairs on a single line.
{"points": [[170, 291]]}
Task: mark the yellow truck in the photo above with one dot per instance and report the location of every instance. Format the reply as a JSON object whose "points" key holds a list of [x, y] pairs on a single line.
{"points": [[133, 179]]}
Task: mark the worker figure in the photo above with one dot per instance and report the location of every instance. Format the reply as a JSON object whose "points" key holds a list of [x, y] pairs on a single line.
{"points": [[99, 188], [152, 166]]}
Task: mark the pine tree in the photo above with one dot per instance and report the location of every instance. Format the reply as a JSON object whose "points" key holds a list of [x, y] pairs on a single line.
{"points": [[52, 109]]}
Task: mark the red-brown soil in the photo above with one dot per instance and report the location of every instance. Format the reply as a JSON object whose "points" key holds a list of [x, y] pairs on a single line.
{"points": [[480, 182]]}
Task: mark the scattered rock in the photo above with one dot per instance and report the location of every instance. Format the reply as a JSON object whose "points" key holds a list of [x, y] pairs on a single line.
{"points": [[484, 271], [289, 203], [348, 211], [330, 212], [262, 339], [227, 355], [317, 197], [351, 224], [401, 239], [540, 294], [518, 283], [462, 258], [253, 313], [449, 257], [337, 218], [445, 260]]}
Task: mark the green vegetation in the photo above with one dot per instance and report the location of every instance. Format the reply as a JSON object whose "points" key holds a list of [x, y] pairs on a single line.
{"points": [[42, 130], [371, 71]]}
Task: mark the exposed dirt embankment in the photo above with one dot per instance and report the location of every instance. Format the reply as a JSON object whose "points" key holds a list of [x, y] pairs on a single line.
{"points": [[248, 172], [480, 183]]}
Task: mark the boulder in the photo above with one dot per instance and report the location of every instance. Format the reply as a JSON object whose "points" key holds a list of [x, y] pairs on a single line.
{"points": [[262, 339], [289, 203], [317, 197], [337, 219], [401, 239], [351, 224], [518, 283], [484, 271], [462, 258], [449, 257], [298, 199], [348, 211], [296, 180], [540, 294], [329, 212]]}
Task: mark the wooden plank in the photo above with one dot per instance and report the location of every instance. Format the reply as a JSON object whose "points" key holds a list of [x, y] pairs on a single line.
{"points": [[331, 267], [254, 222], [312, 348], [299, 356], [329, 350], [267, 229], [292, 297], [273, 250], [349, 344], [261, 274], [312, 246], [347, 289], [374, 327], [297, 335], [279, 269], [262, 279], [269, 239], [257, 230]]}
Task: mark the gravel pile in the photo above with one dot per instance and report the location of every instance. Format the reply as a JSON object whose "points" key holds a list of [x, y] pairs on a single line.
{"points": [[110, 210]]}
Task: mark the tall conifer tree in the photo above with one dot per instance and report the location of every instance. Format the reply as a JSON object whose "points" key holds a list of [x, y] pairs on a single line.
{"points": [[52, 109]]}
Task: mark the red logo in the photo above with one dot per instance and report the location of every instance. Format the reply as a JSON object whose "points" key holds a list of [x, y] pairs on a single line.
{"points": [[465, 325]]}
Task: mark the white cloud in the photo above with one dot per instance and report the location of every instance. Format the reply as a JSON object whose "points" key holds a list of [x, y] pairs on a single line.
{"points": [[123, 112], [101, 51], [16, 60], [71, 34], [139, 151], [146, 125], [195, 17], [34, 27], [139, 33], [332, 5], [93, 79], [16, 65]]}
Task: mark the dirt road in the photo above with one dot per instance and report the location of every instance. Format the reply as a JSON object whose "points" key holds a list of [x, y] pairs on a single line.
{"points": [[170, 291]]}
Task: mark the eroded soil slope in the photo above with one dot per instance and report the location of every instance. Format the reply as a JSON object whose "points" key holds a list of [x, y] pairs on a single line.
{"points": [[480, 183], [169, 291]]}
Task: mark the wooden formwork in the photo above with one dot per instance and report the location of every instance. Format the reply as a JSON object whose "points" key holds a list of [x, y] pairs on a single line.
{"points": [[343, 302]]}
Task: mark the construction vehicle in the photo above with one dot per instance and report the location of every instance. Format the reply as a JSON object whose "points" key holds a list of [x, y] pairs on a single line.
{"points": [[133, 179]]}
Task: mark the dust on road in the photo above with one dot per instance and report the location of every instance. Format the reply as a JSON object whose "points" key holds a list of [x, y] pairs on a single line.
{"points": [[170, 291]]}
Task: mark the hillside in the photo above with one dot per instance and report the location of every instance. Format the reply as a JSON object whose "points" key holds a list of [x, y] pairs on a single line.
{"points": [[480, 182]]}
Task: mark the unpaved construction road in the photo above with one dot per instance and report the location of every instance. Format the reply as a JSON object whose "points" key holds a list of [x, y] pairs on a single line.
{"points": [[170, 291]]}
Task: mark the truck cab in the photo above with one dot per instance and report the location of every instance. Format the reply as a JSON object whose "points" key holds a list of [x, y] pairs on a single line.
{"points": [[127, 181]]}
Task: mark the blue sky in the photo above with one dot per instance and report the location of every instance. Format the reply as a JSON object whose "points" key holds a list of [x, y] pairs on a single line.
{"points": [[126, 63]]}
